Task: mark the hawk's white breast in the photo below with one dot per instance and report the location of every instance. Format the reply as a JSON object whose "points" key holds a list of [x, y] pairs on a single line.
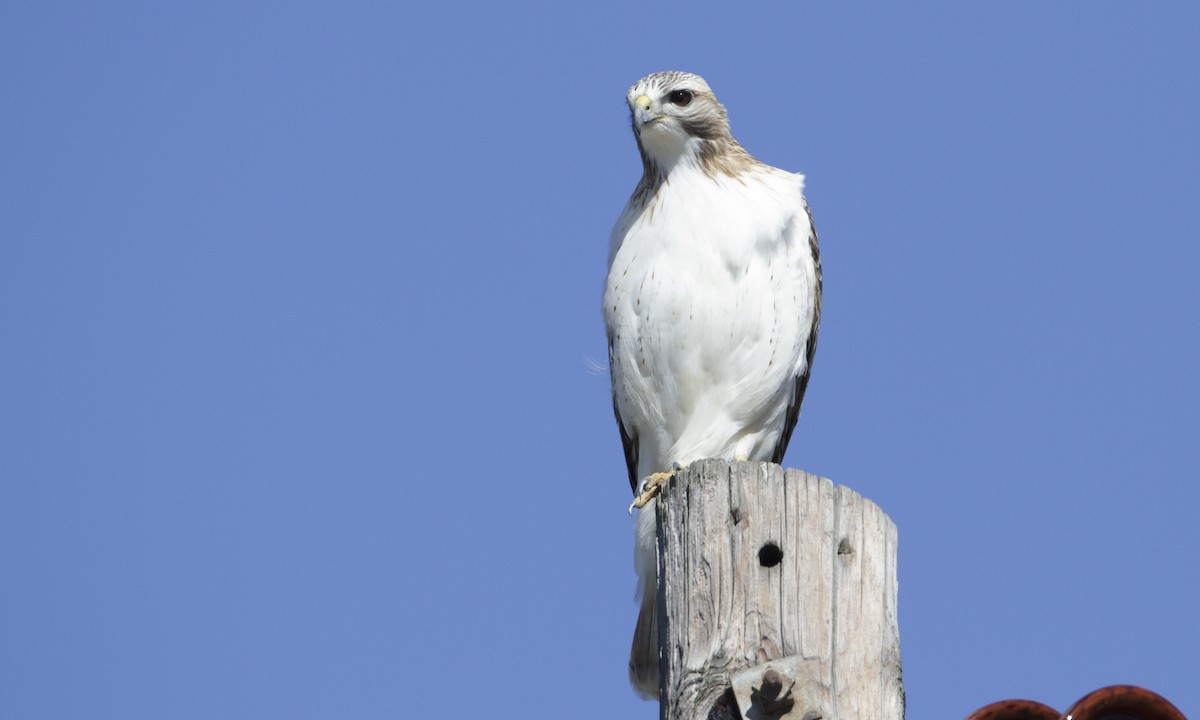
{"points": [[709, 302]]}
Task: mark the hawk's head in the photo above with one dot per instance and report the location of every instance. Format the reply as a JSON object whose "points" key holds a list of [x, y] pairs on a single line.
{"points": [[676, 117]]}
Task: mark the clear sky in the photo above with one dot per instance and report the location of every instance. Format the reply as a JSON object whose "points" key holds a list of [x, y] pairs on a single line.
{"points": [[302, 403]]}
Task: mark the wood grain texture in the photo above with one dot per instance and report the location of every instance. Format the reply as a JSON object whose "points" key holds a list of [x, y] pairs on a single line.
{"points": [[820, 598]]}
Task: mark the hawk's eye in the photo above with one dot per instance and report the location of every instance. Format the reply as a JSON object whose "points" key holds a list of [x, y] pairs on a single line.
{"points": [[680, 98]]}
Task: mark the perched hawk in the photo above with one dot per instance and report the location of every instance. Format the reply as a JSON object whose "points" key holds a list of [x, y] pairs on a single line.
{"points": [[712, 306]]}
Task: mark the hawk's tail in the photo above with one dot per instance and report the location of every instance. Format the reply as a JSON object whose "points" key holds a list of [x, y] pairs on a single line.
{"points": [[643, 656]]}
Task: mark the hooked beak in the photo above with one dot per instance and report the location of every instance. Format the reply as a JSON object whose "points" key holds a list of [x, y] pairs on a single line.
{"points": [[642, 110]]}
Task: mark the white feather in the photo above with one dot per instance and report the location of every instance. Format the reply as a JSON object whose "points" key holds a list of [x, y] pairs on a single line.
{"points": [[709, 298]]}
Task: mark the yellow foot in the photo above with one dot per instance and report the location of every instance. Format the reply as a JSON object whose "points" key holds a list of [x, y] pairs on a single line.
{"points": [[651, 486]]}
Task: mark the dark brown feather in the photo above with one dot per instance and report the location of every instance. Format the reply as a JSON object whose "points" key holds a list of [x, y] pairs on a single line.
{"points": [[630, 444], [793, 413]]}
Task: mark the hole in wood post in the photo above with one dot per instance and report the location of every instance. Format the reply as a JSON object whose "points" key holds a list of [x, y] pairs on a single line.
{"points": [[770, 555], [726, 707], [844, 547]]}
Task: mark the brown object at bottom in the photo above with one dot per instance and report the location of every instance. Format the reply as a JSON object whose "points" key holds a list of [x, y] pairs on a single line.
{"points": [[1124, 702], [1015, 710], [1115, 702]]}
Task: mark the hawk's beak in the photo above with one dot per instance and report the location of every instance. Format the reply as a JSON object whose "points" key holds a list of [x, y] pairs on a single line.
{"points": [[642, 112]]}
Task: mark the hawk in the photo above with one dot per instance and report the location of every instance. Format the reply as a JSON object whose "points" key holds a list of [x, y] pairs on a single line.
{"points": [[712, 305]]}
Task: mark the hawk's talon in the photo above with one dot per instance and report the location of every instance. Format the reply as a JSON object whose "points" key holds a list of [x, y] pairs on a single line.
{"points": [[651, 486]]}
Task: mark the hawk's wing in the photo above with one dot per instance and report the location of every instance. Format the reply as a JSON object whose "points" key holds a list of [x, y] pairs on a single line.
{"points": [[629, 442], [801, 382], [631, 447]]}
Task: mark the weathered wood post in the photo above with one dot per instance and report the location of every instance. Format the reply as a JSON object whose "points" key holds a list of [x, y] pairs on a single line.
{"points": [[777, 598]]}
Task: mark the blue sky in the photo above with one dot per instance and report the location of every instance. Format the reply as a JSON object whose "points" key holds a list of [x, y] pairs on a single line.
{"points": [[299, 308]]}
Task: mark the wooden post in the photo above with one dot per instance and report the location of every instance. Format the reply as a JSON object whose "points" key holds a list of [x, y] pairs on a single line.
{"points": [[777, 598]]}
